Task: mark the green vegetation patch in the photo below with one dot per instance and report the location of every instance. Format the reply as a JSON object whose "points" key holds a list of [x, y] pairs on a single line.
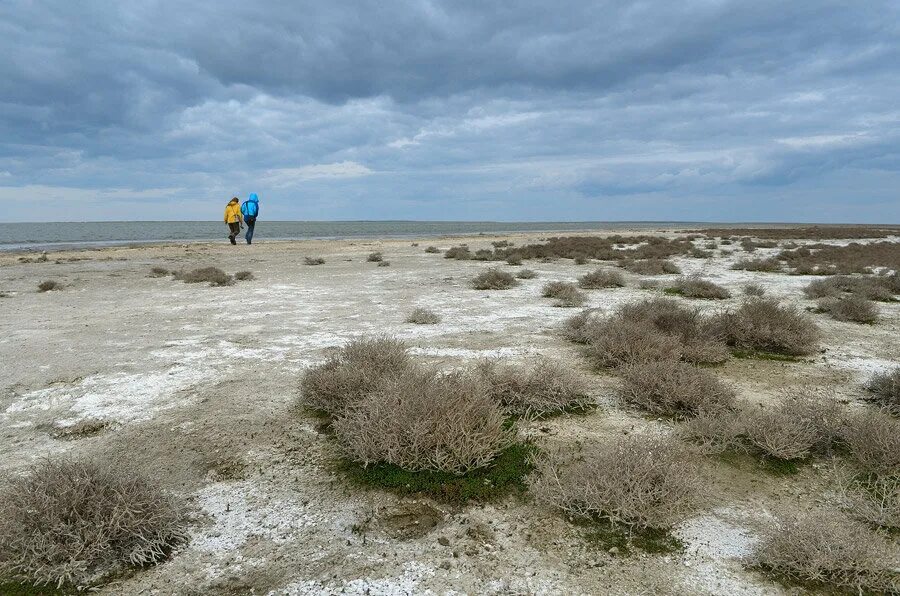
{"points": [[26, 589], [625, 540], [503, 477], [760, 355]]}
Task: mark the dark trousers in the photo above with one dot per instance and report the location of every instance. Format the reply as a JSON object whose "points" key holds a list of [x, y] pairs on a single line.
{"points": [[235, 228], [251, 223]]}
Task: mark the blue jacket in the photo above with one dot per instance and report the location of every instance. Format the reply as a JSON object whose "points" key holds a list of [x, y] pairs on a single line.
{"points": [[250, 207]]}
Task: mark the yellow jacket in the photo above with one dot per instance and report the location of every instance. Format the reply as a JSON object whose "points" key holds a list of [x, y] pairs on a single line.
{"points": [[232, 212]]}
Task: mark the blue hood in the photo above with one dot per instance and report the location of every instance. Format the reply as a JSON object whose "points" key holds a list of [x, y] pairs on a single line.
{"points": [[253, 198]]}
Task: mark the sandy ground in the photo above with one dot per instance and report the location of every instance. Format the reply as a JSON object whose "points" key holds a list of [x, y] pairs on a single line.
{"points": [[199, 386]]}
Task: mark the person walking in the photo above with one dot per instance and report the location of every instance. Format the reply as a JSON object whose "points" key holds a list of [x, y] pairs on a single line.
{"points": [[250, 211], [233, 219]]}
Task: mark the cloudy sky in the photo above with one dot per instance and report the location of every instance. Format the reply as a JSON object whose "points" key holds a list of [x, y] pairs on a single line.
{"points": [[722, 110]]}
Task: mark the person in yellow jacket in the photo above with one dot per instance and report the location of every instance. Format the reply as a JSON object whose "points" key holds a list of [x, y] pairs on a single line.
{"points": [[233, 219]]}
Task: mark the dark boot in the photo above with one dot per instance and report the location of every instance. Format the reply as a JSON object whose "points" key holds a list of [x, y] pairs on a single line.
{"points": [[232, 239]]}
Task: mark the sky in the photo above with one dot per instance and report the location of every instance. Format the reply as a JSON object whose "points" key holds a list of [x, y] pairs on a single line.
{"points": [[698, 110]]}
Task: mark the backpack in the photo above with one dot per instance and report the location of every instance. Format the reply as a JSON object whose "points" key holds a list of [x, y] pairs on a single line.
{"points": [[250, 209]]}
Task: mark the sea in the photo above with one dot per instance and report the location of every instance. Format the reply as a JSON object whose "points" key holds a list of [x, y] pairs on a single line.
{"points": [[61, 235]]}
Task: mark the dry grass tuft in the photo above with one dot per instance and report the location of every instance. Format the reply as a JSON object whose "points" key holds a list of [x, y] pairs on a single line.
{"points": [[353, 372], [460, 253], [514, 259], [769, 265], [425, 420], [432, 250], [49, 286], [539, 389], [313, 261], [243, 275], [672, 388], [872, 438], [212, 275], [69, 523], [764, 325], [800, 426], [526, 274], [384, 263], [827, 548], [636, 480], [650, 266], [158, 272], [874, 288], [702, 342], [565, 293], [375, 257], [601, 278], [423, 316], [853, 308], [694, 287], [754, 290], [615, 341], [494, 279], [885, 389]]}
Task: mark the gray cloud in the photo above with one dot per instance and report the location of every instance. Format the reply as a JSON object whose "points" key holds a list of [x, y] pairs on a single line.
{"points": [[708, 109]]}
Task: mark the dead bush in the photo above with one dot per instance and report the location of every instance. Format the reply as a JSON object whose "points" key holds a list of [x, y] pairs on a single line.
{"points": [[873, 288], [313, 261], [537, 389], [852, 258], [754, 290], [565, 293], [601, 278], [158, 272], [762, 324], [69, 523], [425, 420], [615, 341], [702, 342], [885, 389], [650, 266], [49, 286], [872, 438], [460, 253], [699, 253], [243, 275], [432, 250], [872, 498], [714, 431], [852, 308], [375, 257], [212, 275], [526, 274], [494, 279], [637, 480], [823, 232], [352, 373], [673, 388], [384, 263], [798, 427], [577, 328], [648, 284], [827, 548], [423, 316], [769, 265], [514, 259], [694, 287]]}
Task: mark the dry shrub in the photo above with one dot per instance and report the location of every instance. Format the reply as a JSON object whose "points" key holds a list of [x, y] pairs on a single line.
{"points": [[853, 308], [614, 342], [852, 258], [885, 389], [872, 438], [375, 257], [873, 499], [762, 324], [424, 420], [769, 265], [526, 274], [637, 480], [514, 259], [313, 261], [243, 275], [828, 548], [49, 285], [577, 328], [76, 523], [544, 387], [352, 373], [694, 287], [158, 272], [798, 427], [754, 290], [584, 248], [460, 253], [822, 232], [873, 288], [601, 278], [494, 279], [714, 431], [565, 293], [432, 250], [699, 253], [648, 284], [650, 266], [672, 388], [423, 316], [501, 243], [88, 427], [384, 263], [212, 275], [702, 342]]}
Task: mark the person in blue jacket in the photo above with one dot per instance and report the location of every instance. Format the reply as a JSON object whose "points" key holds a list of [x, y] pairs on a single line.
{"points": [[250, 211]]}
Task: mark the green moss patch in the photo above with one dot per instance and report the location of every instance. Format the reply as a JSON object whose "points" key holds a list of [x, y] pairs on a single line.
{"points": [[624, 540], [506, 475], [25, 589]]}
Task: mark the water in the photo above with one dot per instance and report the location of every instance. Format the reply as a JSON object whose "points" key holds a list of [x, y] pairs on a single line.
{"points": [[42, 236]]}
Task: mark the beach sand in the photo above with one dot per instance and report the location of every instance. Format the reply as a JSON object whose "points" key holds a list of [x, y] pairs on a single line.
{"points": [[198, 386]]}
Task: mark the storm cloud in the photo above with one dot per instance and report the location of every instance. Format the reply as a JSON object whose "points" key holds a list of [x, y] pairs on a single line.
{"points": [[653, 110]]}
